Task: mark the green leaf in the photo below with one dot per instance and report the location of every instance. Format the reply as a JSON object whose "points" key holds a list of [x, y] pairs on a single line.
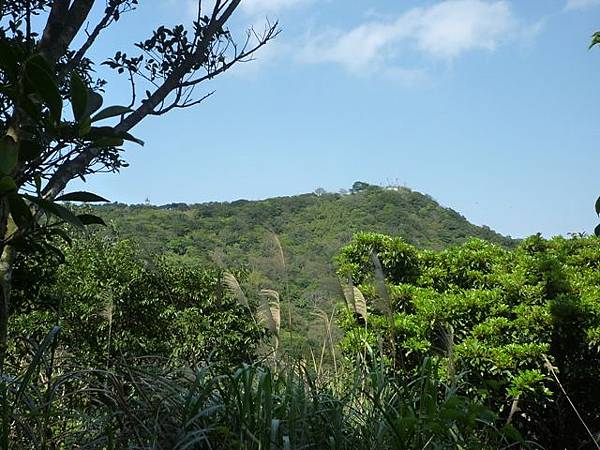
{"points": [[129, 137], [9, 154], [8, 60], [90, 219], [111, 111], [95, 101], [595, 39], [79, 97], [7, 184], [108, 142], [55, 209], [85, 126], [97, 133], [19, 210], [43, 83], [36, 362], [80, 196]]}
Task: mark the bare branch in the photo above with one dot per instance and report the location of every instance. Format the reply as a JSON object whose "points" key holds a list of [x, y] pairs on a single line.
{"points": [[173, 84], [104, 22], [271, 33], [185, 104]]}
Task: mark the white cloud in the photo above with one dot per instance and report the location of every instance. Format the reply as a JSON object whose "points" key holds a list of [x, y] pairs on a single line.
{"points": [[269, 6], [573, 5], [442, 31]]}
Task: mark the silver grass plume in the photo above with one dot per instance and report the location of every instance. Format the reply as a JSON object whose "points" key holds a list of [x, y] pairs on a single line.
{"points": [[356, 300], [234, 288]]}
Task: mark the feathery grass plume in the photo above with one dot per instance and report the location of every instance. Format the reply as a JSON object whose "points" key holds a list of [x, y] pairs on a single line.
{"points": [[356, 301], [321, 315], [382, 289], [108, 313], [270, 311], [328, 338], [280, 258], [385, 300], [218, 257], [234, 288], [279, 255]]}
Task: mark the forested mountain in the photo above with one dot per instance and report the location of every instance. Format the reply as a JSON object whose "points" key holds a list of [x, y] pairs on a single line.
{"points": [[311, 229]]}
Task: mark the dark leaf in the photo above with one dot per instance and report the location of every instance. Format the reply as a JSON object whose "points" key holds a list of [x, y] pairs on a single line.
{"points": [[9, 154], [8, 59], [90, 219], [62, 234], [79, 97], [29, 150], [19, 210], [43, 82], [7, 184], [111, 111], [80, 196], [95, 101], [55, 209]]}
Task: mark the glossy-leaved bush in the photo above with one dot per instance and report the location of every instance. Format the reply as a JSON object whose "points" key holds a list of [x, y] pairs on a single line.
{"points": [[506, 320]]}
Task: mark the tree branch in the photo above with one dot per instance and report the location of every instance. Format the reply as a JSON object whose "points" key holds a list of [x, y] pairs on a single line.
{"points": [[78, 164], [63, 25], [105, 22]]}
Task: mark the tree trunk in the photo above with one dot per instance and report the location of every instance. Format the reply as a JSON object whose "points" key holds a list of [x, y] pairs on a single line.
{"points": [[7, 256]]}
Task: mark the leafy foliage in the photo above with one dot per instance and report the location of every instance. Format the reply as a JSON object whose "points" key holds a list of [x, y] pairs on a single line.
{"points": [[112, 301], [495, 315], [311, 228], [251, 407]]}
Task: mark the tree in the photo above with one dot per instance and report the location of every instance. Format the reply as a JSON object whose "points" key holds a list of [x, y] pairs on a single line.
{"points": [[116, 300], [42, 150], [359, 186]]}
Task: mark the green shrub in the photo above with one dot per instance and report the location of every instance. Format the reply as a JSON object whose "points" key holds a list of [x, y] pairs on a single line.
{"points": [[112, 301], [493, 314]]}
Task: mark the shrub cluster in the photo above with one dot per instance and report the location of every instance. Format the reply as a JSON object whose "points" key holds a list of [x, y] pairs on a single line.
{"points": [[113, 301], [509, 320]]}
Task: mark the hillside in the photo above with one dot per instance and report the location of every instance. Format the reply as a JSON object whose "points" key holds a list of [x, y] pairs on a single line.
{"points": [[310, 227]]}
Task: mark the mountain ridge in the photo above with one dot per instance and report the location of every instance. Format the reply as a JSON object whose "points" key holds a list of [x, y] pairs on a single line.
{"points": [[310, 228]]}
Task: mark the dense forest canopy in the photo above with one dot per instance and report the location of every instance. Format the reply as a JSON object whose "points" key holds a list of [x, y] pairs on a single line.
{"points": [[311, 228]]}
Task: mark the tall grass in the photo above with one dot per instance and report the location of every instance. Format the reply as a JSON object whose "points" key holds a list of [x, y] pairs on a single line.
{"points": [[146, 404]]}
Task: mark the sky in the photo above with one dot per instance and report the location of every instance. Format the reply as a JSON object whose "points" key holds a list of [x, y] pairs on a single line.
{"points": [[492, 107]]}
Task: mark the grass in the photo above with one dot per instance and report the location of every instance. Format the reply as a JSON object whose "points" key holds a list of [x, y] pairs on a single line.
{"points": [[148, 404]]}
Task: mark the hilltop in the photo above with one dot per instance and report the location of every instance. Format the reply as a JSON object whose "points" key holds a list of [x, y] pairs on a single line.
{"points": [[311, 228]]}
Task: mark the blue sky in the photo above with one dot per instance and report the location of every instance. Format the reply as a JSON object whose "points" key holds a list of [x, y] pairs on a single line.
{"points": [[491, 107]]}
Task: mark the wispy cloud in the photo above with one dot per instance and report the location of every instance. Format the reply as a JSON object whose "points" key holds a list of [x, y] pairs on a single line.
{"points": [[573, 5], [442, 31]]}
